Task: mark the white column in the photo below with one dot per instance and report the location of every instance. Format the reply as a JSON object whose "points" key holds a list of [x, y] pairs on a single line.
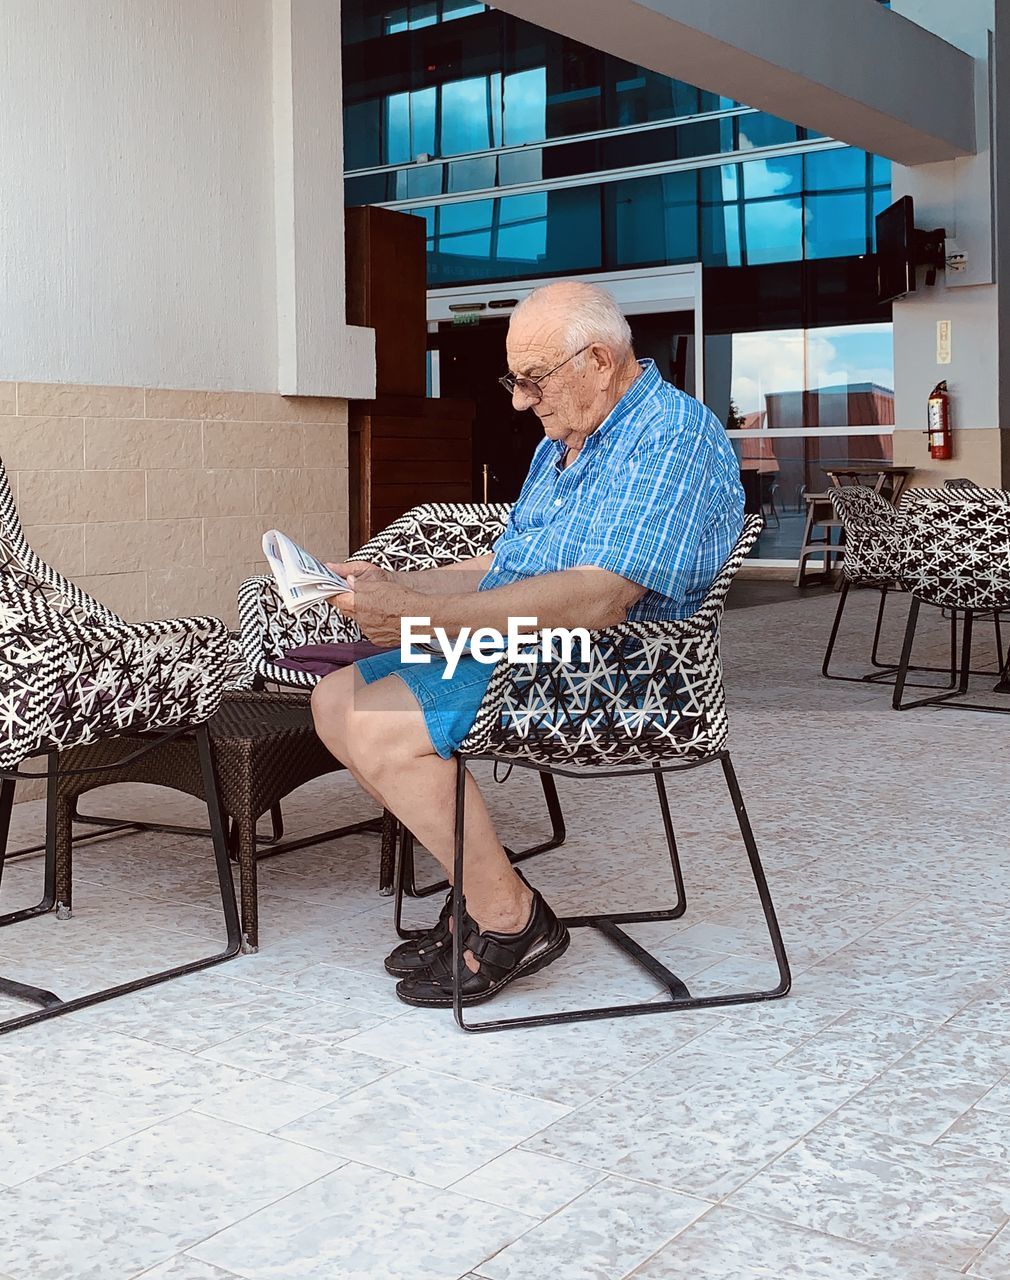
{"points": [[318, 353], [970, 198]]}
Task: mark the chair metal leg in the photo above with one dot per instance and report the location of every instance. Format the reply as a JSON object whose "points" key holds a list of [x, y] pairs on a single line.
{"points": [[50, 1005], [558, 836], [608, 924], [884, 672], [48, 899]]}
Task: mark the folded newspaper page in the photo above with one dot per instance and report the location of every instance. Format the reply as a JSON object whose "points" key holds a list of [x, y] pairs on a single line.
{"points": [[302, 580]]}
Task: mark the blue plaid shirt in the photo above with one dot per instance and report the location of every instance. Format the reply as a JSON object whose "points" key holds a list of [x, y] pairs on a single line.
{"points": [[654, 496]]}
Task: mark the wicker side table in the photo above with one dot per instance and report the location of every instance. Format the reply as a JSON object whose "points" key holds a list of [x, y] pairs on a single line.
{"points": [[264, 747]]}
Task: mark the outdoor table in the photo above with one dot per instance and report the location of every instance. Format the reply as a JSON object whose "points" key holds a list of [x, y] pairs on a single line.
{"points": [[264, 746], [886, 478]]}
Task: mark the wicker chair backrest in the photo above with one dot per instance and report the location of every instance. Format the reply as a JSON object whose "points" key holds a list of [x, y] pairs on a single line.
{"points": [[951, 494], [957, 555], [19, 562], [436, 533], [650, 692], [871, 534]]}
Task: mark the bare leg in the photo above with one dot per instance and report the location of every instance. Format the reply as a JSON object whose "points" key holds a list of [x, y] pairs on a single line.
{"points": [[378, 732]]}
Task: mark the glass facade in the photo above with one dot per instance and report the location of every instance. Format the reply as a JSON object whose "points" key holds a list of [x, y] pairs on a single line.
{"points": [[530, 155]]}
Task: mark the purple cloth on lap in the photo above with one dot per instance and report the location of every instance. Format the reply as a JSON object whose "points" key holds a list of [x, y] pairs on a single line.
{"points": [[321, 659]]}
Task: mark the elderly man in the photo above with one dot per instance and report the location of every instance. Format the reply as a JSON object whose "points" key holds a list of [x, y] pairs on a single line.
{"points": [[630, 507]]}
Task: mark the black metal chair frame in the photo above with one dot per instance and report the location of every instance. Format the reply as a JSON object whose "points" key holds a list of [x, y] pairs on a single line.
{"points": [[51, 1005], [965, 670], [405, 854], [886, 672], [609, 923]]}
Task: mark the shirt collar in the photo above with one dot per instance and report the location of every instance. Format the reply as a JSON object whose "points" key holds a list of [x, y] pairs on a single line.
{"points": [[643, 387]]}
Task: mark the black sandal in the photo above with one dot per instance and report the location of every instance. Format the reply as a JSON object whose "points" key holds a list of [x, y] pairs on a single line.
{"points": [[416, 954], [502, 958]]}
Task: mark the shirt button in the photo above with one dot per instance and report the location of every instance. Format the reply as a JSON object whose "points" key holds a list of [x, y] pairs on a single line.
{"points": [[557, 502], [494, 568], [529, 537]]}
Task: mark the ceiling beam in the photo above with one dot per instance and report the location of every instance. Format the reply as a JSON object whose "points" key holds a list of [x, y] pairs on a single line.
{"points": [[850, 69]]}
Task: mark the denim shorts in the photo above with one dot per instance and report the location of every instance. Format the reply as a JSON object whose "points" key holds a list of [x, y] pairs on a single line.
{"points": [[449, 706]]}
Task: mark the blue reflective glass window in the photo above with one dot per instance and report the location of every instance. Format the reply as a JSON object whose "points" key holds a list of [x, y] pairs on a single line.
{"points": [[720, 235], [525, 96], [423, 180], [772, 177], [522, 231], [654, 219], [459, 9], [773, 231], [832, 170], [466, 116], [362, 134], [423, 105], [423, 13], [472, 175], [465, 228], [879, 202], [762, 130], [836, 225], [719, 183], [521, 166], [880, 170], [397, 132], [396, 19]]}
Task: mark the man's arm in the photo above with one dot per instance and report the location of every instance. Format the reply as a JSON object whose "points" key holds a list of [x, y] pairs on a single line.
{"points": [[438, 582], [589, 597], [429, 582]]}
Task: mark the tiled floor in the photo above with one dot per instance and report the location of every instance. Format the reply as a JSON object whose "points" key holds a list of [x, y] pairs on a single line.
{"points": [[284, 1118]]}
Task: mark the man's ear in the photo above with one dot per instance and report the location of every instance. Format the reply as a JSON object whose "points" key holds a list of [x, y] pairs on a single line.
{"points": [[603, 356]]}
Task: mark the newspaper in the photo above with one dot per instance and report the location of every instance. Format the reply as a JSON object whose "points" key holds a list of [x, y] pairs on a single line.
{"points": [[302, 580]]}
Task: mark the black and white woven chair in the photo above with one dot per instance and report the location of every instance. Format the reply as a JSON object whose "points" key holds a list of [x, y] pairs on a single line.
{"points": [[429, 536], [954, 555], [649, 701], [872, 559], [22, 565], [871, 527], [65, 681]]}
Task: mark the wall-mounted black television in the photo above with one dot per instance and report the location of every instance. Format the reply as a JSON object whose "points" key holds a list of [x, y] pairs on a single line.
{"points": [[896, 250]]}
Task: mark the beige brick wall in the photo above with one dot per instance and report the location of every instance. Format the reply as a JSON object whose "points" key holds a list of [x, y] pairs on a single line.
{"points": [[155, 501]]}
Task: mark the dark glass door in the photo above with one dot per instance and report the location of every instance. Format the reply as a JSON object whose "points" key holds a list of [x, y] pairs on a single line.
{"points": [[472, 359]]}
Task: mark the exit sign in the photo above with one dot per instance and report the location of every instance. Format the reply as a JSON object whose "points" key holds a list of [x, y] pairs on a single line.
{"points": [[465, 317]]}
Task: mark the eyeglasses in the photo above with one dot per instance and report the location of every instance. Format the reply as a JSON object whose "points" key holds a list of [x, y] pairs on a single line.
{"points": [[530, 387]]}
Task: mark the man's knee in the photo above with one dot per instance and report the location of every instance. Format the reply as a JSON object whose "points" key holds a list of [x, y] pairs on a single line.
{"points": [[331, 705]]}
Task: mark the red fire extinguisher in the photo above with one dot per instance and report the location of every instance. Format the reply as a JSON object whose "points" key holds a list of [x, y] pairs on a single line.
{"points": [[938, 428]]}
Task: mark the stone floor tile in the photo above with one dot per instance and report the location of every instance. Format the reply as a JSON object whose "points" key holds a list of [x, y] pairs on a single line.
{"points": [[110, 1214], [425, 1126], [264, 1104], [299, 1060], [884, 1192], [702, 1130], [186, 1268], [729, 1245], [364, 1224], [529, 1183], [858, 1046], [993, 1263], [568, 1064], [606, 1232]]}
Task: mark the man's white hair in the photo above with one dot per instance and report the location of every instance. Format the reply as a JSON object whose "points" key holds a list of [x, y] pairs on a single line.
{"points": [[589, 314]]}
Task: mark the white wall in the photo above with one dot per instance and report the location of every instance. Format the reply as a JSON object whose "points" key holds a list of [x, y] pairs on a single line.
{"points": [[958, 196], [137, 199]]}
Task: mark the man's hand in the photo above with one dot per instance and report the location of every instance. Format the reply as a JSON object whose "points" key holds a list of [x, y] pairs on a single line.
{"points": [[377, 604]]}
